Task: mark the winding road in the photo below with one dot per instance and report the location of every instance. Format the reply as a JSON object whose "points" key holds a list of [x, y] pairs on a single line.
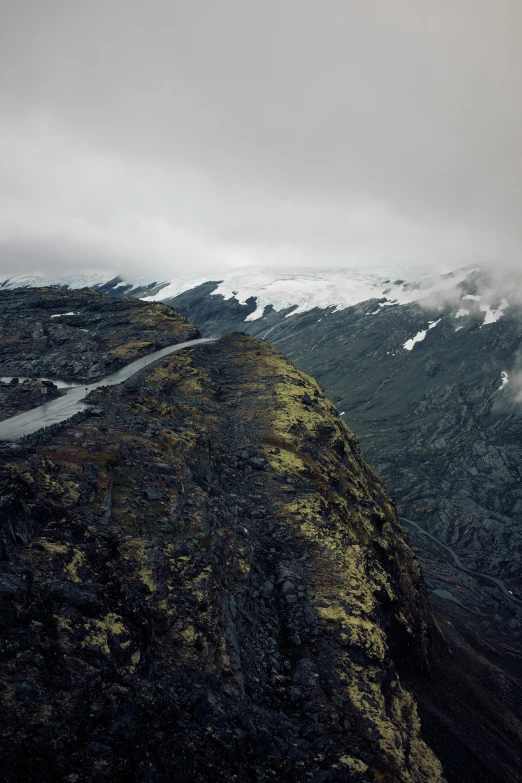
{"points": [[63, 408], [493, 579]]}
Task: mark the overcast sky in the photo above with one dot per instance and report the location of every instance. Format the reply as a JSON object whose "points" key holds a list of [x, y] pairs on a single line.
{"points": [[167, 138]]}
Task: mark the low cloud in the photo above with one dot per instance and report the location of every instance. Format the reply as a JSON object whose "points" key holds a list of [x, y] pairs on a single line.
{"points": [[65, 207], [510, 386], [172, 138], [476, 289], [515, 386]]}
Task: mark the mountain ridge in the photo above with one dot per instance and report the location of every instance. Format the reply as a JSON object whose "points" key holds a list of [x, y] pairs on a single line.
{"points": [[136, 559], [207, 581]]}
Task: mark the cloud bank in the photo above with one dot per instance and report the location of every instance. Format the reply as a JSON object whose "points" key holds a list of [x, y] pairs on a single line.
{"points": [[179, 137]]}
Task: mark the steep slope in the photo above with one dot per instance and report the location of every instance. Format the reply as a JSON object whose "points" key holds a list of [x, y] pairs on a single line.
{"points": [[433, 407], [131, 595], [208, 583]]}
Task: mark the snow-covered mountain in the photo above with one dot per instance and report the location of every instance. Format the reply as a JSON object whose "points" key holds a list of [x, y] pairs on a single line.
{"points": [[72, 281], [299, 291], [107, 282], [305, 290]]}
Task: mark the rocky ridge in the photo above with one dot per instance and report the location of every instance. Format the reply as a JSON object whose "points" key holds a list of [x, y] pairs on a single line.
{"points": [[197, 594], [440, 422], [207, 582]]}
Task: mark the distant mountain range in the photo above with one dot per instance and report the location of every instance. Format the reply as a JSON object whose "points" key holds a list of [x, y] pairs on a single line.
{"points": [[292, 292], [424, 370]]}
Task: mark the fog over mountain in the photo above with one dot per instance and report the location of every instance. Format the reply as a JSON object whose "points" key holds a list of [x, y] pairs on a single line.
{"points": [[282, 222], [193, 137]]}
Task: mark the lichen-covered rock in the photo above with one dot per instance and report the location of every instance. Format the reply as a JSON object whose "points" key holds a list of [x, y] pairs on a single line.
{"points": [[206, 582], [441, 422], [148, 631]]}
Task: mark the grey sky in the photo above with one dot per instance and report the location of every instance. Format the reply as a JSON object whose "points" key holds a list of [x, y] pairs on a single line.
{"points": [[178, 137]]}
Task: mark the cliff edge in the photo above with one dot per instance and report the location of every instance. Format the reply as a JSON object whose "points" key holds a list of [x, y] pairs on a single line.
{"points": [[205, 582]]}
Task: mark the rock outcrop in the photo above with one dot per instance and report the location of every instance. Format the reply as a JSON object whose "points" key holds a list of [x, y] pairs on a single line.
{"points": [[441, 422], [206, 582]]}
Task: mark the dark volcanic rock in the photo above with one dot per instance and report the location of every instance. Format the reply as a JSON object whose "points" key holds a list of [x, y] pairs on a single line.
{"points": [[146, 571], [434, 421], [145, 638]]}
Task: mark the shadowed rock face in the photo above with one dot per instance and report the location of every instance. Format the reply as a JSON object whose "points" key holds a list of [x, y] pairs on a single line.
{"points": [[442, 427], [217, 314], [438, 422], [81, 335], [207, 583]]}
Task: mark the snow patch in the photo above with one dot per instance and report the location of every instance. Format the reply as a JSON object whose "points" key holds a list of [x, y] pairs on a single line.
{"points": [[258, 312], [85, 280], [408, 345], [61, 315], [304, 290], [420, 336], [461, 313], [492, 315], [504, 379], [174, 288]]}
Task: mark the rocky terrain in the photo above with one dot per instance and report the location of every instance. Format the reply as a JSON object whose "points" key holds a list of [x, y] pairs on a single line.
{"points": [[80, 336], [441, 421], [206, 582]]}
